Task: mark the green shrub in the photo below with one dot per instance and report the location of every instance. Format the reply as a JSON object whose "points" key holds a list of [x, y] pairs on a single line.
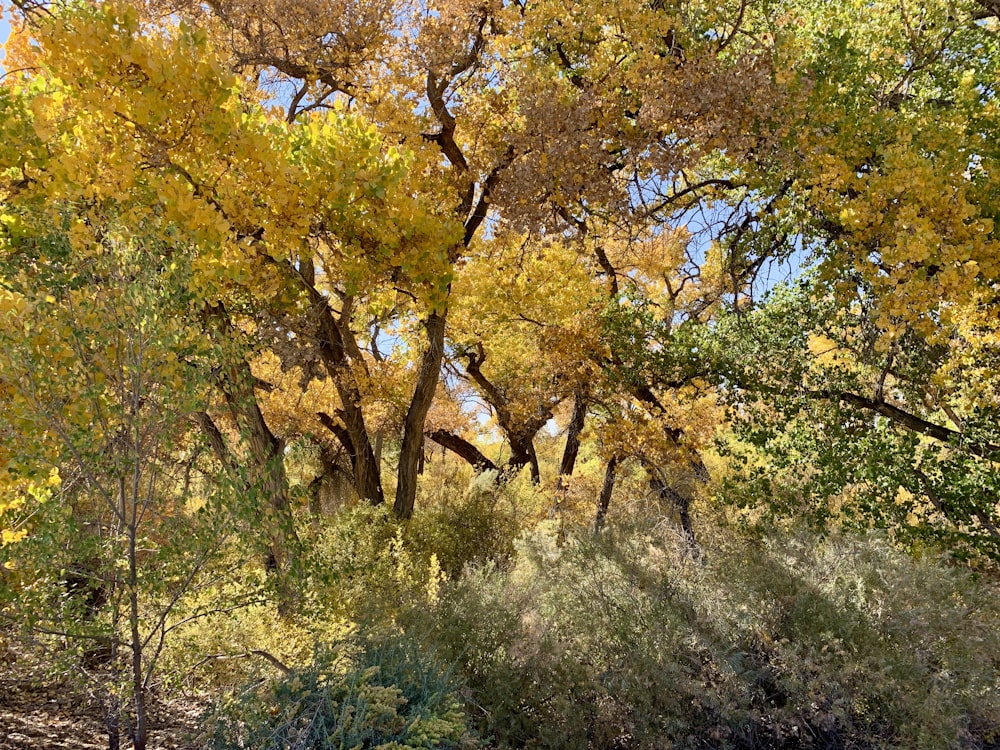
{"points": [[384, 694], [475, 524], [361, 566], [355, 567], [624, 640]]}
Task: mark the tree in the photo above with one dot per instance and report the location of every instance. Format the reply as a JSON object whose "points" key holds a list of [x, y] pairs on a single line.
{"points": [[288, 225], [854, 434], [98, 394], [658, 154], [874, 370], [520, 118], [522, 339]]}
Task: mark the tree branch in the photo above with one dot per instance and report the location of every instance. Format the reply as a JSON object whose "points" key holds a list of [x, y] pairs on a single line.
{"points": [[463, 449], [482, 206], [911, 422]]}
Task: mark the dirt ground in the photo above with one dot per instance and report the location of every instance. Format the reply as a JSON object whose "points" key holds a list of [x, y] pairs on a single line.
{"points": [[53, 717]]}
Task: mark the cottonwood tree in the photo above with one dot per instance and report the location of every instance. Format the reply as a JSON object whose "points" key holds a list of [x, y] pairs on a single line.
{"points": [[342, 168], [844, 432], [523, 118], [879, 361], [261, 207]]}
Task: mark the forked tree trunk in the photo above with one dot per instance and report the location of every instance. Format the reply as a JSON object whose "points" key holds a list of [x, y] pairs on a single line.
{"points": [[352, 431], [266, 470]]}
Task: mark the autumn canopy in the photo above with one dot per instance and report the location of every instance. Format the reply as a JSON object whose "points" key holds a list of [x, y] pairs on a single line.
{"points": [[259, 258]]}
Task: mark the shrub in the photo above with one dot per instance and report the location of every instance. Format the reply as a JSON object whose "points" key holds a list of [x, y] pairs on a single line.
{"points": [[624, 640], [384, 694], [474, 525], [361, 566]]}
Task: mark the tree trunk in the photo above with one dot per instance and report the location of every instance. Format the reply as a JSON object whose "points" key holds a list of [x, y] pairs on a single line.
{"points": [[112, 720], [367, 472], [267, 474], [416, 416], [572, 449], [680, 503], [138, 684], [570, 452], [333, 350], [536, 474], [267, 466], [520, 435], [521, 451], [606, 489], [139, 736], [324, 485]]}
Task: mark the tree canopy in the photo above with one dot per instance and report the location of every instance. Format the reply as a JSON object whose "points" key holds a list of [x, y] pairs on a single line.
{"points": [[744, 250]]}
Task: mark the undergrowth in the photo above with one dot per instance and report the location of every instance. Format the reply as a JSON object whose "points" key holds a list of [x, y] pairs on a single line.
{"points": [[460, 629], [627, 640]]}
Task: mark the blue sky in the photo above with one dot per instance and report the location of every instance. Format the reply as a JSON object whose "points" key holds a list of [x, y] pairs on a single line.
{"points": [[4, 30]]}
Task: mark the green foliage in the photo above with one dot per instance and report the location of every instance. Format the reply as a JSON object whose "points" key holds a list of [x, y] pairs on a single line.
{"points": [[192, 282], [649, 349], [384, 694], [475, 524], [99, 384], [363, 565], [624, 640], [832, 429], [360, 567]]}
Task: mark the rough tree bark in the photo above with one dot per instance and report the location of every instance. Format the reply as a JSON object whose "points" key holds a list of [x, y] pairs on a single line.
{"points": [[416, 416]]}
